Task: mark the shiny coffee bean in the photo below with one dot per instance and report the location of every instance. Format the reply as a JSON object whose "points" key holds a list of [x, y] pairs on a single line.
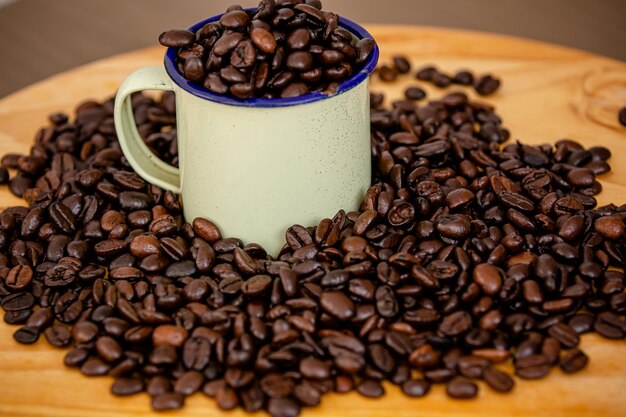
{"points": [[176, 38]]}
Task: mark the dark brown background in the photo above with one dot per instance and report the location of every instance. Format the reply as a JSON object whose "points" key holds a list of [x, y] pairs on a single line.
{"points": [[39, 38]]}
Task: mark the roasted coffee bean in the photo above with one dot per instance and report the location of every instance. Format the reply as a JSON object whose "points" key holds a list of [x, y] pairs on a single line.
{"points": [[455, 323], [426, 73], [337, 304], [283, 407], [58, 335], [401, 64], [299, 38], [415, 387], [582, 323], [26, 335], [226, 43], [463, 77], [364, 48], [244, 55], [370, 388], [207, 230], [294, 90], [256, 285], [40, 318], [573, 361], [127, 386], [532, 367], [18, 301], [610, 326], [486, 85], [461, 389], [75, 357], [414, 93], [264, 40], [313, 368], [167, 401], [17, 317], [611, 227], [441, 80], [299, 61], [188, 383], [236, 20], [85, 331], [488, 278], [387, 74], [108, 349], [226, 398], [498, 380], [565, 335], [176, 38], [170, 335], [19, 277], [194, 69], [62, 217]]}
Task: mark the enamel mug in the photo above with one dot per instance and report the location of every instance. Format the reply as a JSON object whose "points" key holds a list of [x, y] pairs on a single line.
{"points": [[256, 167]]}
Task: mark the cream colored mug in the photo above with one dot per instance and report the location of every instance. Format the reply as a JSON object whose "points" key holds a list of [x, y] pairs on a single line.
{"points": [[256, 167]]}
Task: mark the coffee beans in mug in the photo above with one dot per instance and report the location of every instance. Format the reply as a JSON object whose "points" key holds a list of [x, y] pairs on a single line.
{"points": [[281, 49]]}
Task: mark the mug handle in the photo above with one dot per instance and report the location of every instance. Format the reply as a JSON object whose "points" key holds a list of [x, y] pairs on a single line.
{"points": [[149, 166]]}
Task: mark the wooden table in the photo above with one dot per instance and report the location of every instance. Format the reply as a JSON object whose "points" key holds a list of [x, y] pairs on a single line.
{"points": [[548, 93]]}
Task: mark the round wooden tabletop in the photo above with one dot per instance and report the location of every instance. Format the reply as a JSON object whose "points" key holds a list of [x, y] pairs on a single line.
{"points": [[548, 93]]}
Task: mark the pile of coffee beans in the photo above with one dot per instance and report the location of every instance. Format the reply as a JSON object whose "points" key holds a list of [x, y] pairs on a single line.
{"points": [[465, 254], [284, 48]]}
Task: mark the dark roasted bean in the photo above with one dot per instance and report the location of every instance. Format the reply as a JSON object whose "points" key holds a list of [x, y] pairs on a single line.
{"points": [[461, 389], [415, 93], [127, 386], [26, 335], [176, 38], [370, 388], [337, 304], [58, 335], [573, 361], [463, 78], [401, 64], [387, 74], [498, 380], [486, 85], [167, 401], [565, 335], [416, 387]]}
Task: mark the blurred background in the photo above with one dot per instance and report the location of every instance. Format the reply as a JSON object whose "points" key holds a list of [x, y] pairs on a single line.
{"points": [[39, 38]]}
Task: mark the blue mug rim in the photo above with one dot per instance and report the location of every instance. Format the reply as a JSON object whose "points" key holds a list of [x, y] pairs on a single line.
{"points": [[353, 81]]}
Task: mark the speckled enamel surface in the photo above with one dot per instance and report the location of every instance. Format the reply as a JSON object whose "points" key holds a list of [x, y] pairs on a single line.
{"points": [[257, 171]]}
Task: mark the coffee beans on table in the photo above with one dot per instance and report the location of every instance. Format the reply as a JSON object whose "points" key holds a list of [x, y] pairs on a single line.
{"points": [[280, 49], [466, 252], [484, 85], [415, 93]]}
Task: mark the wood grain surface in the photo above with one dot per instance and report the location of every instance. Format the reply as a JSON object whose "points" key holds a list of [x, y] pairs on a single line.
{"points": [[548, 93]]}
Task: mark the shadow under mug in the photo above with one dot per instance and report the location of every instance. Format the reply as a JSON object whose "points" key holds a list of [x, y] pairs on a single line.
{"points": [[256, 167]]}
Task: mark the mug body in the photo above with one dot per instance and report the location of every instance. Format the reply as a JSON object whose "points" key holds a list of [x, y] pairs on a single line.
{"points": [[256, 171], [257, 166]]}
